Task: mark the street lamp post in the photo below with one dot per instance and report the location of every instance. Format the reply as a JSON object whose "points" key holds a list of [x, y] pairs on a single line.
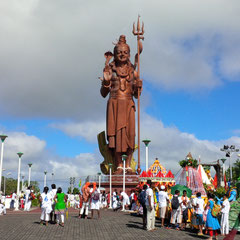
{"points": [[3, 137], [124, 157], [45, 179], [223, 170], [18, 182], [52, 177], [99, 180], [29, 173], [72, 182], [146, 142], [3, 180], [22, 182], [229, 150], [110, 182]]}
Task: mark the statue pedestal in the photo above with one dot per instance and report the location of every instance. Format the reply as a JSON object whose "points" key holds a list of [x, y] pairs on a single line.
{"points": [[131, 181]]}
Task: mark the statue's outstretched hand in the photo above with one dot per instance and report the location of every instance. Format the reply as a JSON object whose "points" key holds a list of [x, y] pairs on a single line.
{"points": [[107, 75]]}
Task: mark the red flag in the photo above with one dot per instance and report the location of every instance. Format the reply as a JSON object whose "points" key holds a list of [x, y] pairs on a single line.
{"points": [[215, 181]]}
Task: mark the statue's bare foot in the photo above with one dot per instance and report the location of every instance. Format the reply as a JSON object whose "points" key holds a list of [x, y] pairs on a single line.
{"points": [[119, 171], [130, 172]]}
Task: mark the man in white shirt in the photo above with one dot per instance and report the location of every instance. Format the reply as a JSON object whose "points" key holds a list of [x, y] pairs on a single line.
{"points": [[199, 209], [13, 199], [225, 215], [125, 200], [163, 200], [150, 207], [131, 200]]}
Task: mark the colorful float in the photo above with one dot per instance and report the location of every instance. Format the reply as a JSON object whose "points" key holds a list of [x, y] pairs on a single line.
{"points": [[190, 176], [157, 174]]}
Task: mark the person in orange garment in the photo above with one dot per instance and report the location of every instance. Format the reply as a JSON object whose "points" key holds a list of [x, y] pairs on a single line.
{"points": [[86, 199]]}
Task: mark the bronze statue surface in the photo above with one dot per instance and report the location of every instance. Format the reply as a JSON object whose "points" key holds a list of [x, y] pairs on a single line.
{"points": [[121, 82]]}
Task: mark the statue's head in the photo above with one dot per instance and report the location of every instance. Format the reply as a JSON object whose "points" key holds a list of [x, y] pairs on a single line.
{"points": [[122, 50]]}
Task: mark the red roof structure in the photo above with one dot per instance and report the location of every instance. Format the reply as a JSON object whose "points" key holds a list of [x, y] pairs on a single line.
{"points": [[160, 174], [149, 173], [169, 174]]}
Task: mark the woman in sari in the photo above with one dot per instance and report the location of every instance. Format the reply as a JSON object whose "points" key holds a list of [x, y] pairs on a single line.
{"points": [[212, 223]]}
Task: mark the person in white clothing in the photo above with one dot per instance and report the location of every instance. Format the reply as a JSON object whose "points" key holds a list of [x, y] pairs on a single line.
{"points": [[2, 209], [225, 214], [95, 200], [115, 204], [163, 200], [46, 206], [28, 200], [13, 199], [199, 209], [53, 193], [125, 200], [150, 207]]}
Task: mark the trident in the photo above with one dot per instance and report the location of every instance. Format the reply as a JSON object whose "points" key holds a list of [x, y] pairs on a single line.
{"points": [[139, 33]]}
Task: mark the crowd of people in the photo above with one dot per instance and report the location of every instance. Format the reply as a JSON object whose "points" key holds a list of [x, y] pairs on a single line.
{"points": [[174, 211], [178, 212], [24, 203]]}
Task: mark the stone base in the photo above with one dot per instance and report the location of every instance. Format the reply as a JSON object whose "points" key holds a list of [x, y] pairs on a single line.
{"points": [[131, 181]]}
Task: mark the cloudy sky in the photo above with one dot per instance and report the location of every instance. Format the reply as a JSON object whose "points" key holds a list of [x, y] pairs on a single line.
{"points": [[52, 53]]}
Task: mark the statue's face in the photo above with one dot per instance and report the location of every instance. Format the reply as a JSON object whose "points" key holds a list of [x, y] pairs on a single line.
{"points": [[122, 53]]}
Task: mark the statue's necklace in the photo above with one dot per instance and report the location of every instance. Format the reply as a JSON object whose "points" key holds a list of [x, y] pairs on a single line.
{"points": [[122, 71]]}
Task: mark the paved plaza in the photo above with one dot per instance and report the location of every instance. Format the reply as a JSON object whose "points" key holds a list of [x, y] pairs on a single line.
{"points": [[111, 226]]}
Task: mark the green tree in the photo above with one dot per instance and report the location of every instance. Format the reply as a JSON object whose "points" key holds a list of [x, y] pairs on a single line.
{"points": [[11, 185], [235, 171], [75, 190]]}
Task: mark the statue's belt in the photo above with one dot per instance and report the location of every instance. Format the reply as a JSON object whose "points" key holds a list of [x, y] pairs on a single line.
{"points": [[118, 96]]}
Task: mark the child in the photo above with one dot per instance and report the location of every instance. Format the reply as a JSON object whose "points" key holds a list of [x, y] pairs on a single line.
{"points": [[225, 214]]}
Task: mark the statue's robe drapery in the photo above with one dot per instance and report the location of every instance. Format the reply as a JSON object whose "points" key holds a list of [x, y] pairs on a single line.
{"points": [[121, 111], [121, 124]]}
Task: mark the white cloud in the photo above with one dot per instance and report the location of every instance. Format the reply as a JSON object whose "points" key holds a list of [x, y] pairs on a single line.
{"points": [[31, 147], [87, 130], [52, 51], [83, 164]]}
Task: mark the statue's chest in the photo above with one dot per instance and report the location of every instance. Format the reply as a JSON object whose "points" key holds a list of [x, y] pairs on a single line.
{"points": [[122, 83]]}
